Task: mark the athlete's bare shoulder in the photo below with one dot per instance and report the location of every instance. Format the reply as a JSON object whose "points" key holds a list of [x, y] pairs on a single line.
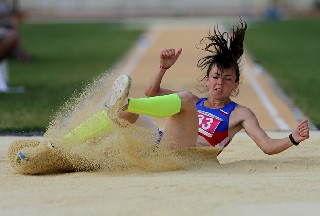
{"points": [[196, 98], [243, 110], [240, 114]]}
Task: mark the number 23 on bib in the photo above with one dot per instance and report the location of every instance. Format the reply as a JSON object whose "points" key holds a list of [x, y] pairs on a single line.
{"points": [[208, 123]]}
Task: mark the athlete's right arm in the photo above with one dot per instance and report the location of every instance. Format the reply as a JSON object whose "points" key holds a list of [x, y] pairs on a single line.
{"points": [[250, 124], [167, 58]]}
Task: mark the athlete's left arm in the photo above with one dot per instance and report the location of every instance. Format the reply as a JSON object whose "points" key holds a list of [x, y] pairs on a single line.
{"points": [[266, 144]]}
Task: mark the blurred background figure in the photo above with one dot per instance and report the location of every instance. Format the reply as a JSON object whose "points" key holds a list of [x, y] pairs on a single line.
{"points": [[316, 5], [273, 12], [10, 20]]}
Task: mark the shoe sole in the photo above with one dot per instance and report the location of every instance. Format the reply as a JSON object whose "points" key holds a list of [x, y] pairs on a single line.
{"points": [[120, 90]]}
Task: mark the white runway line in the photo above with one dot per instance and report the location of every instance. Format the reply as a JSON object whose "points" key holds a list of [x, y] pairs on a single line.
{"points": [[272, 110], [139, 50], [133, 57]]}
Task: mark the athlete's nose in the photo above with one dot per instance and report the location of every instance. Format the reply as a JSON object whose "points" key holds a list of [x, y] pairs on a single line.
{"points": [[219, 80]]}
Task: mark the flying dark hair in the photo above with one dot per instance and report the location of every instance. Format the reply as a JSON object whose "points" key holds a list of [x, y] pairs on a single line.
{"points": [[226, 49]]}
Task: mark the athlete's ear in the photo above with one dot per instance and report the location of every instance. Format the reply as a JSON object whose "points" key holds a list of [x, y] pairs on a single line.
{"points": [[206, 80]]}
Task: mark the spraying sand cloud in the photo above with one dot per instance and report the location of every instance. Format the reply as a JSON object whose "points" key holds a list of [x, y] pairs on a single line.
{"points": [[125, 147]]}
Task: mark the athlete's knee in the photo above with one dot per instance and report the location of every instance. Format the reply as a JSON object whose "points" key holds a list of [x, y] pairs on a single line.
{"points": [[187, 100]]}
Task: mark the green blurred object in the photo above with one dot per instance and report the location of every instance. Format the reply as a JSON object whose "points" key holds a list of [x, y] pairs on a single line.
{"points": [[289, 51], [65, 58]]}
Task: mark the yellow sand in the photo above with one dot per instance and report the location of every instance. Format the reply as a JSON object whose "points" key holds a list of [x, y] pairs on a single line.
{"points": [[246, 182]]}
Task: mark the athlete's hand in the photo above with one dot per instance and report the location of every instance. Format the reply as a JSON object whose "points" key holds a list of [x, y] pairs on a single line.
{"points": [[168, 57], [301, 132]]}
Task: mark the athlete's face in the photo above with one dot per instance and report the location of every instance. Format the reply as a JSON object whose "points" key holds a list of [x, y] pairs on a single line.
{"points": [[221, 82]]}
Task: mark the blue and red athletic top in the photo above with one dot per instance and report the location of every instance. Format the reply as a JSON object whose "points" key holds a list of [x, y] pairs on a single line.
{"points": [[214, 124]]}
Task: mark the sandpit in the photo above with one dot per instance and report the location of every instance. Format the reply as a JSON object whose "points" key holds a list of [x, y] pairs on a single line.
{"points": [[246, 182]]}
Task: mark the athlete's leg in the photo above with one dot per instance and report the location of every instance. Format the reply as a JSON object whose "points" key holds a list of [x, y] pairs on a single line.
{"points": [[100, 123], [182, 126], [119, 100], [181, 129], [95, 126]]}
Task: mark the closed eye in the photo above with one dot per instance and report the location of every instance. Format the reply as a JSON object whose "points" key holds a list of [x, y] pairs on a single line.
{"points": [[227, 78]]}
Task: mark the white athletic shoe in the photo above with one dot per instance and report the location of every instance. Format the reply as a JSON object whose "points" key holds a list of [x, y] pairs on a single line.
{"points": [[119, 94]]}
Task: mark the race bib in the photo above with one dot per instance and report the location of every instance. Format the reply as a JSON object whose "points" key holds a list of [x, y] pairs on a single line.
{"points": [[208, 123]]}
